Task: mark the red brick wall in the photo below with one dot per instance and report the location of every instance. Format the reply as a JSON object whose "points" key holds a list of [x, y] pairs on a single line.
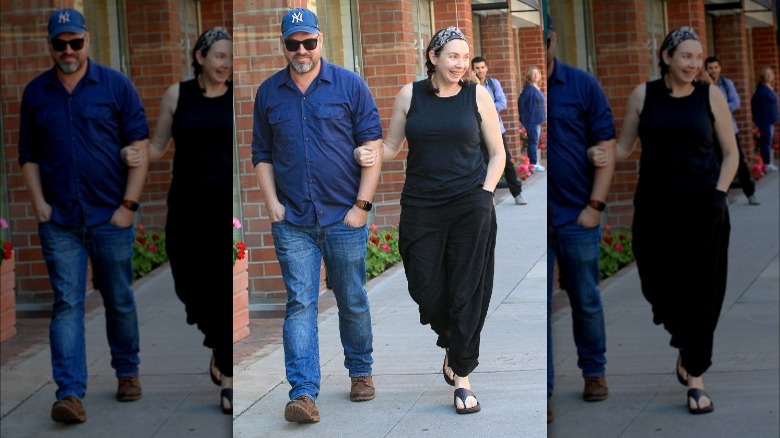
{"points": [[498, 48], [622, 64], [688, 13], [731, 47]]}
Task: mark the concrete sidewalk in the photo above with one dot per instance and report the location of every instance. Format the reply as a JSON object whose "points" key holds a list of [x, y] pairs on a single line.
{"points": [[412, 398], [178, 400], [645, 399]]}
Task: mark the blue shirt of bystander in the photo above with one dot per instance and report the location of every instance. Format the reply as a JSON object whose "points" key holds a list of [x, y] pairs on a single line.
{"points": [[730, 93], [76, 137], [309, 138], [579, 116]]}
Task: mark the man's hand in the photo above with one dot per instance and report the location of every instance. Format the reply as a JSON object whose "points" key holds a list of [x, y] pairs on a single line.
{"points": [[589, 217], [356, 217], [365, 155], [599, 156], [42, 212], [132, 156], [276, 212], [122, 217]]}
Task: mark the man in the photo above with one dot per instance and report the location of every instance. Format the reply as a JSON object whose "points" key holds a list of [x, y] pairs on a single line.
{"points": [[713, 69], [579, 116], [479, 74], [308, 119], [74, 120]]}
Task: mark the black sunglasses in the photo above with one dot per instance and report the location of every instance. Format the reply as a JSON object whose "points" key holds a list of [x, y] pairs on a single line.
{"points": [[75, 44], [293, 45]]}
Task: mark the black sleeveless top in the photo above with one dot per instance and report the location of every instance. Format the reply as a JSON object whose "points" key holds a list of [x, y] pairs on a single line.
{"points": [[203, 138], [444, 160], [680, 154]]}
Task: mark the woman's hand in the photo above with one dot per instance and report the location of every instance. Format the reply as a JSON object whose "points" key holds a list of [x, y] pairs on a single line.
{"points": [[599, 156], [365, 155], [132, 156]]}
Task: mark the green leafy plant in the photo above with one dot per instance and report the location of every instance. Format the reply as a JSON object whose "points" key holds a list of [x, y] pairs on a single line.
{"points": [[239, 248], [615, 252], [381, 250], [148, 251]]}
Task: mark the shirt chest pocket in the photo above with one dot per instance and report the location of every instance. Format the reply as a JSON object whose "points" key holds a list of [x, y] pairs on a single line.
{"points": [[562, 112], [282, 128], [333, 123]]}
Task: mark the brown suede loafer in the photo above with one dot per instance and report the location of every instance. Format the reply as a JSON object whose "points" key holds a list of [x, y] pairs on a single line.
{"points": [[595, 389], [362, 389], [301, 410], [129, 389], [68, 410]]}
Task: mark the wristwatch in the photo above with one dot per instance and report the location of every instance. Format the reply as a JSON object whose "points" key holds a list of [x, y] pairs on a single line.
{"points": [[597, 205], [130, 205], [363, 205]]}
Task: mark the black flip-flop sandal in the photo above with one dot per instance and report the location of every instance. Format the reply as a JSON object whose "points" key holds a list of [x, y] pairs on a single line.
{"points": [[696, 394], [226, 393], [463, 394]]}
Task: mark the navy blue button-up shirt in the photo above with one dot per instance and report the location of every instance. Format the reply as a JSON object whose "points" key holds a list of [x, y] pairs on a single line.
{"points": [[309, 138], [76, 137], [578, 117]]}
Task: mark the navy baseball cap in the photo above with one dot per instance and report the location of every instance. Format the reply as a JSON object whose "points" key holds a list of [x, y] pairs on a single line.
{"points": [[299, 20], [66, 20]]}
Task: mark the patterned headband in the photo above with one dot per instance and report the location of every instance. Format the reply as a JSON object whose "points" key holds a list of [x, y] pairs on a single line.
{"points": [[444, 36], [210, 37], [677, 36]]}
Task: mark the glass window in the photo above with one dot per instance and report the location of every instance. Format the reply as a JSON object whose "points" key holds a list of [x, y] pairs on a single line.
{"points": [[338, 21], [656, 32], [423, 27], [107, 29], [189, 27], [573, 23]]}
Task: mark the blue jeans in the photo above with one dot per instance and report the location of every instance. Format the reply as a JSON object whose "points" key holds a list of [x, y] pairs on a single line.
{"points": [[767, 135], [577, 251], [110, 250], [533, 142], [300, 251]]}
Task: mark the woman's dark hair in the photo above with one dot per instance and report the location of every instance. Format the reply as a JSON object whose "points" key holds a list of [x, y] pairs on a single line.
{"points": [[431, 69], [204, 43]]}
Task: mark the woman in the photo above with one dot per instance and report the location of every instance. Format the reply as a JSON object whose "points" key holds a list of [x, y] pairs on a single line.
{"points": [[198, 115], [532, 106], [447, 229], [688, 160], [765, 114]]}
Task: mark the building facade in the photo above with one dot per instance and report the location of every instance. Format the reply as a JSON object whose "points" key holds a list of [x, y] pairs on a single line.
{"points": [[150, 41]]}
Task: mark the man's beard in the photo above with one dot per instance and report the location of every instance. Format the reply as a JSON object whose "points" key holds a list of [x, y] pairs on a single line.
{"points": [[303, 67], [68, 67]]}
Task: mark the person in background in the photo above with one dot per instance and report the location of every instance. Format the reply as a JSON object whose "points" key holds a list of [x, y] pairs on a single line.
{"points": [[198, 115], [764, 104], [532, 108], [712, 70], [479, 70], [75, 118], [579, 119], [688, 160], [308, 119]]}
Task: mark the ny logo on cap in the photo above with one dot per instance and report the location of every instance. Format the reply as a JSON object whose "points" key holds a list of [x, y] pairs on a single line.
{"points": [[64, 17], [297, 17]]}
